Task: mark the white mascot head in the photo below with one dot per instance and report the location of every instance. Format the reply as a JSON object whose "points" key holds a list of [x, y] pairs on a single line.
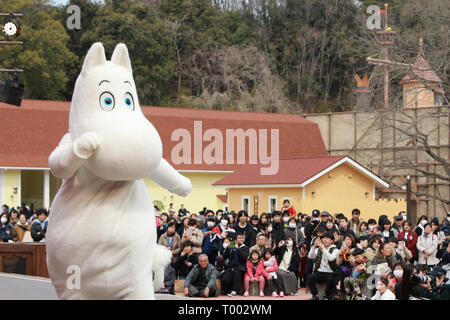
{"points": [[105, 101]]}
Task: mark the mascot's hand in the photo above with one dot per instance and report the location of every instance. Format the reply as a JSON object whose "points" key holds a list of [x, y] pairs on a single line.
{"points": [[84, 146], [183, 188]]}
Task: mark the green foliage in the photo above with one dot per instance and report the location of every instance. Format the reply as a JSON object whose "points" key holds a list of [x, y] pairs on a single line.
{"points": [[313, 48]]}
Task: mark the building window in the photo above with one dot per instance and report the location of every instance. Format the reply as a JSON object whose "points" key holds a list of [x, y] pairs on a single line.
{"points": [[273, 203], [246, 203]]}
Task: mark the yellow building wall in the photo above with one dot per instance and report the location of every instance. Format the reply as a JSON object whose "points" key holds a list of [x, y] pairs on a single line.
{"points": [[33, 187], [203, 193], [263, 195], [11, 180], [339, 191], [416, 95]]}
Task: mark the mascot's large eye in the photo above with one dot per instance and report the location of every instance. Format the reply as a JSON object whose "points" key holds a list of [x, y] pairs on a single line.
{"points": [[107, 101], [129, 101]]}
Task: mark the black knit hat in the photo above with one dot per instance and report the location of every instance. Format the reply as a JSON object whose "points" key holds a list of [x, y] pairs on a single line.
{"points": [[357, 252]]}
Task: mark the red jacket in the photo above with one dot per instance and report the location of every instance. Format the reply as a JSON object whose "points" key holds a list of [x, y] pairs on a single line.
{"points": [[411, 242], [291, 211], [260, 270]]}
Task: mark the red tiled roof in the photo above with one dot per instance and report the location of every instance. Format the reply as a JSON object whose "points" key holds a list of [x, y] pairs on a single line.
{"points": [[222, 197], [421, 71], [291, 171], [30, 133]]}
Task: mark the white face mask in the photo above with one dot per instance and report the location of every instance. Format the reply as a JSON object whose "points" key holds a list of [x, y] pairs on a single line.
{"points": [[223, 222], [210, 224], [404, 218], [289, 243], [371, 227], [4, 220], [448, 219], [286, 219], [225, 245], [398, 273], [292, 225], [269, 228], [423, 222]]}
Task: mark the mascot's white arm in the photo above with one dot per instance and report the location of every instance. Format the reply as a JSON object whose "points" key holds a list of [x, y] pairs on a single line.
{"points": [[65, 160], [169, 178]]}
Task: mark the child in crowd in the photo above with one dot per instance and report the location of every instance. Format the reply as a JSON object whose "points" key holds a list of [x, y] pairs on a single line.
{"points": [[358, 279], [255, 269], [271, 267]]}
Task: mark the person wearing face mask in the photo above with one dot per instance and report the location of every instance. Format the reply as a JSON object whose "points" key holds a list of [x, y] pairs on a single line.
{"points": [[288, 259], [411, 240], [423, 220], [6, 230], [446, 225], [222, 227], [267, 231], [293, 231], [285, 219], [211, 239], [383, 292]]}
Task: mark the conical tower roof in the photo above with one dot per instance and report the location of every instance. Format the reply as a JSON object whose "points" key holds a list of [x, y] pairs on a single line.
{"points": [[421, 70]]}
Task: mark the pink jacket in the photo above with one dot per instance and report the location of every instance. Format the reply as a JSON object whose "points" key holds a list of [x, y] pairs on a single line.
{"points": [[260, 270]]}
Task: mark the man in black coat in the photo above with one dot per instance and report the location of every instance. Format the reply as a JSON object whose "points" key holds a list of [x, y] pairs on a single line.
{"points": [[277, 227], [234, 274], [312, 226], [243, 227]]}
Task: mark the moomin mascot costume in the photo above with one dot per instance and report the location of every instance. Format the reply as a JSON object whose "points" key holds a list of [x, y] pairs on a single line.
{"points": [[102, 224]]}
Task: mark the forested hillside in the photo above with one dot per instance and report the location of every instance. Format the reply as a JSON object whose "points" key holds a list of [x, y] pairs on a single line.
{"points": [[256, 55]]}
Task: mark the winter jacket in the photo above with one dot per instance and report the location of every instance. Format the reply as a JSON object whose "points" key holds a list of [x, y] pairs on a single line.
{"points": [[260, 270], [237, 257], [6, 236], [38, 231], [181, 267], [353, 228], [19, 231], [439, 293], [196, 236], [383, 264], [369, 253], [291, 211], [211, 276], [387, 295], [295, 234], [404, 253], [294, 264], [176, 243], [211, 242], [248, 231], [329, 255], [411, 242], [430, 243], [277, 232]]}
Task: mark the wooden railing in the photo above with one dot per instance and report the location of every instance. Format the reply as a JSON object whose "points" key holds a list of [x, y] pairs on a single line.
{"points": [[24, 258]]}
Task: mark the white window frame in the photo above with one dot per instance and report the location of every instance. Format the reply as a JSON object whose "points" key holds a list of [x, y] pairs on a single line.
{"points": [[246, 197], [276, 203]]}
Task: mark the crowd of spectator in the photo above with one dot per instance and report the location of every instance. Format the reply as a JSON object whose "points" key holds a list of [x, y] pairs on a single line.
{"points": [[282, 251], [278, 253]]}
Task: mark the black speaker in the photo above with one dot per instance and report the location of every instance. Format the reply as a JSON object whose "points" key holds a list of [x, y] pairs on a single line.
{"points": [[11, 92]]}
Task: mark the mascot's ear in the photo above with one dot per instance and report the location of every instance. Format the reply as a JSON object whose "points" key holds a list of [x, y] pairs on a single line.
{"points": [[95, 57], [120, 57]]}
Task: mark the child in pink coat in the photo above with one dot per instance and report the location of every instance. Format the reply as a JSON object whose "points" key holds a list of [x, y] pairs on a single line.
{"points": [[255, 272]]}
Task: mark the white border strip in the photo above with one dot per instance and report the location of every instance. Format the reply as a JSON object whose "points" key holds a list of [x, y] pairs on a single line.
{"points": [[247, 186]]}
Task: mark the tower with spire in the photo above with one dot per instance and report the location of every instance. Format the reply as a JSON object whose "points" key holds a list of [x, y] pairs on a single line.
{"points": [[421, 85]]}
